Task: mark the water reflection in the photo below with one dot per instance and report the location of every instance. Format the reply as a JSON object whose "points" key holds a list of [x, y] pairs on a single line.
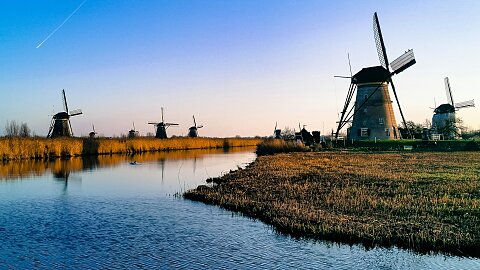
{"points": [[117, 212], [62, 168]]}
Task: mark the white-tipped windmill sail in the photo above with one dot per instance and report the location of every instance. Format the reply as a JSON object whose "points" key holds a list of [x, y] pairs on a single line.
{"points": [[459, 105]]}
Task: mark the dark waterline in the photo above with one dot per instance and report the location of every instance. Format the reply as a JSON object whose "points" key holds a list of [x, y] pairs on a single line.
{"points": [[122, 213]]}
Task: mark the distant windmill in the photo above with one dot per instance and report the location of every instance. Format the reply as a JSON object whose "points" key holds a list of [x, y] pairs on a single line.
{"points": [[445, 113], [193, 130], [133, 133], [92, 133], [372, 114], [277, 133], [161, 132], [60, 125]]}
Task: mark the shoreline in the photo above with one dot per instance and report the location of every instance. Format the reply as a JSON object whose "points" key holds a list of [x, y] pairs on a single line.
{"points": [[425, 202], [16, 148]]}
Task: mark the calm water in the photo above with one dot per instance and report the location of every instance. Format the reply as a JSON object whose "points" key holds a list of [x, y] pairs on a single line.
{"points": [[107, 213]]}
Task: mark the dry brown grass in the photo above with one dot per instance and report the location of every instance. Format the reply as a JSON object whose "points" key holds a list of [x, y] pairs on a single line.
{"points": [[40, 148], [422, 201]]}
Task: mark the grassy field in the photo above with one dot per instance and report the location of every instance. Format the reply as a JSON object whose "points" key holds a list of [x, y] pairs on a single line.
{"points": [[421, 201], [41, 148]]}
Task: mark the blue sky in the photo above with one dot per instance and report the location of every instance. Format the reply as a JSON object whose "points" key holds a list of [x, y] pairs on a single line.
{"points": [[239, 66]]}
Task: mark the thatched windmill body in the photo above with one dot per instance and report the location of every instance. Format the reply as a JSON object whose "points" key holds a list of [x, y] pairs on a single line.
{"points": [[372, 115], [444, 118], [161, 128], [60, 125], [193, 130]]}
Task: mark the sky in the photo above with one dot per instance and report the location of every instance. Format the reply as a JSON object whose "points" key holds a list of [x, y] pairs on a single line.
{"points": [[239, 66]]}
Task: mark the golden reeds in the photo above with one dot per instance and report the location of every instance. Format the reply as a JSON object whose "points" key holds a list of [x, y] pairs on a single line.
{"points": [[422, 201], [41, 148], [272, 146]]}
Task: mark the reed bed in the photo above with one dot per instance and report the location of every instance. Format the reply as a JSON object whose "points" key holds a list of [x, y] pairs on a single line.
{"points": [[41, 148], [427, 202], [272, 146]]}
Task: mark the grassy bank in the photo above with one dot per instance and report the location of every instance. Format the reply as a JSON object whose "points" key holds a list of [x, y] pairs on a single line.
{"points": [[415, 145], [41, 148], [421, 201]]}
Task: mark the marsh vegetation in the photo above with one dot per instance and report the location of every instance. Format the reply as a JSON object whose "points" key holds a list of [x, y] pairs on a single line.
{"points": [[421, 201], [41, 148]]}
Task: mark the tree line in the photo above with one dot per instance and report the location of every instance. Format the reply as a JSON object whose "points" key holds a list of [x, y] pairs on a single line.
{"points": [[15, 129]]}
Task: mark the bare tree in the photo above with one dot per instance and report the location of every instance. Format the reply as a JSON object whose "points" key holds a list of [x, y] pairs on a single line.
{"points": [[12, 129], [427, 124], [452, 128], [24, 130], [287, 134]]}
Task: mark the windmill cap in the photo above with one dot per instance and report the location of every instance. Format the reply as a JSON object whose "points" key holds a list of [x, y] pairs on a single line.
{"points": [[371, 75], [445, 108], [61, 115]]}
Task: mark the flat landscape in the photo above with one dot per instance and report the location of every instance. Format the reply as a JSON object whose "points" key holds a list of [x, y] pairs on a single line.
{"points": [[426, 202]]}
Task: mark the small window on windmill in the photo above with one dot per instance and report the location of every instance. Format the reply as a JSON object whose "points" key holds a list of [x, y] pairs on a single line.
{"points": [[364, 132], [365, 97], [387, 132], [381, 121]]}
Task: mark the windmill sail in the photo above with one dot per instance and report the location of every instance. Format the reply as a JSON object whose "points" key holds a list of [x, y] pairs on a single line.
{"points": [[449, 92], [381, 50], [382, 55], [75, 112], [465, 104], [403, 62], [65, 105]]}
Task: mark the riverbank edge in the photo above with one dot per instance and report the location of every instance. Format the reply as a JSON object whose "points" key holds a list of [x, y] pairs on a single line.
{"points": [[298, 230], [45, 149]]}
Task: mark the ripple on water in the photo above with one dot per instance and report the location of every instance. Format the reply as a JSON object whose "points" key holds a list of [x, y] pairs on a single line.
{"points": [[106, 222]]}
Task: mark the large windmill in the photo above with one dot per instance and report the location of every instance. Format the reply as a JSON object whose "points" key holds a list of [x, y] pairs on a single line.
{"points": [[60, 125], [372, 114], [193, 130], [444, 119], [161, 132]]}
